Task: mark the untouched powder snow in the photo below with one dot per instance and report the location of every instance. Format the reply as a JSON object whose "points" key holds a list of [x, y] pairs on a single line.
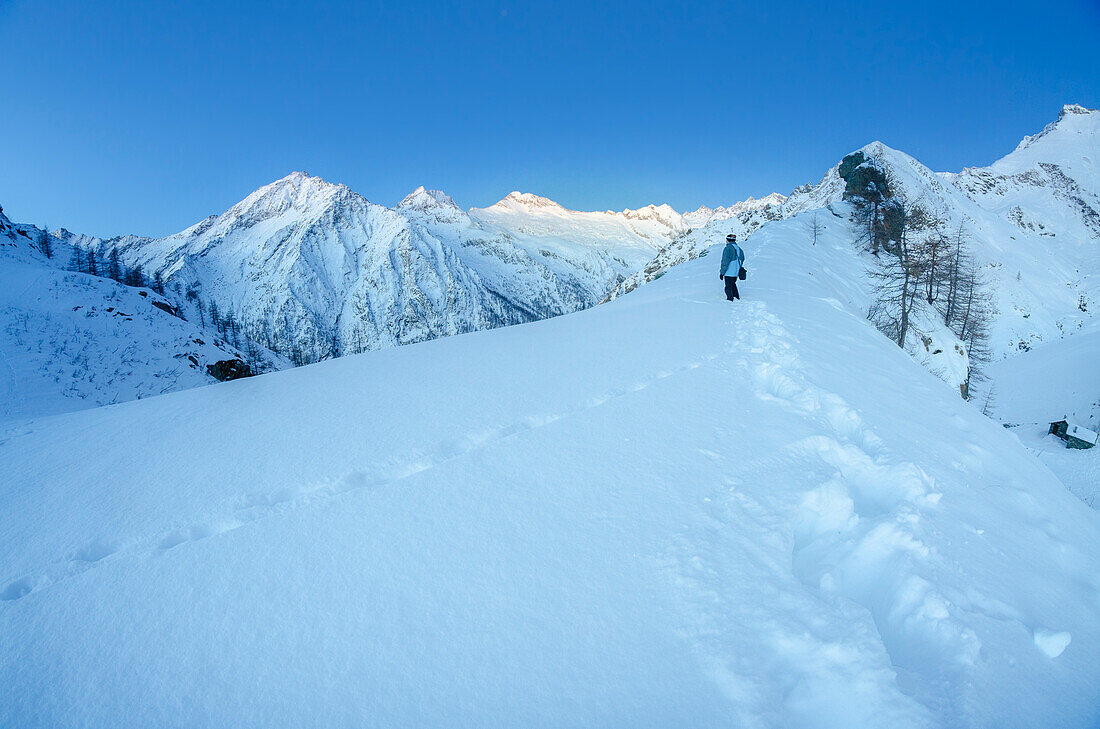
{"points": [[670, 510]]}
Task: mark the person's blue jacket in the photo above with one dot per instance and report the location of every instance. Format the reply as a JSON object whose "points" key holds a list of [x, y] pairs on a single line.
{"points": [[732, 260]]}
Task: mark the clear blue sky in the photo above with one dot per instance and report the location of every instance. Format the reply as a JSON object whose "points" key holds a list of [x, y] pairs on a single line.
{"points": [[145, 117]]}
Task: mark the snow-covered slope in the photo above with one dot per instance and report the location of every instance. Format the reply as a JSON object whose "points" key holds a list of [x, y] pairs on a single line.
{"points": [[1043, 242], [70, 341], [315, 270], [1035, 245], [741, 218], [1054, 173], [1032, 219], [1052, 381], [667, 510]]}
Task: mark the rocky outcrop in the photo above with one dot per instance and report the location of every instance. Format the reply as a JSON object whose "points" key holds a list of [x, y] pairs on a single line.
{"points": [[229, 369], [166, 307]]}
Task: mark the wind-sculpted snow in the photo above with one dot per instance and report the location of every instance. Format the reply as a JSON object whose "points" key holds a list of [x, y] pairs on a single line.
{"points": [[668, 510]]}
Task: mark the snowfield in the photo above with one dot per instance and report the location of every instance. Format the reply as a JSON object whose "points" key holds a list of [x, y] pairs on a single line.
{"points": [[669, 510]]}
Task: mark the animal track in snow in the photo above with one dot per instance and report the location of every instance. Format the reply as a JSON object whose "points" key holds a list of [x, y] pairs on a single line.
{"points": [[194, 533], [250, 508], [94, 551], [17, 589]]}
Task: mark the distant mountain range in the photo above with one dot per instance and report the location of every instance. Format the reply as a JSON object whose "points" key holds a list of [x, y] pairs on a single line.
{"points": [[313, 270], [308, 269]]}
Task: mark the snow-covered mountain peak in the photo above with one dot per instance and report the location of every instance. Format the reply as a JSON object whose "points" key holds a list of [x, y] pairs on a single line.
{"points": [[297, 200], [755, 203], [1061, 158], [1075, 109], [423, 199], [775, 198], [667, 221], [877, 150], [527, 202], [651, 211], [298, 191], [1073, 120], [315, 270], [912, 179], [300, 183], [435, 204]]}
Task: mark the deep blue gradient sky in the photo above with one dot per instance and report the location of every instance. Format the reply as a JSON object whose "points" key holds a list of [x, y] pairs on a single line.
{"points": [[146, 117]]}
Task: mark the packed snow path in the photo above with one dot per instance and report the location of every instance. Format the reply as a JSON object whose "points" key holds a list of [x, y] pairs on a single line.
{"points": [[669, 510]]}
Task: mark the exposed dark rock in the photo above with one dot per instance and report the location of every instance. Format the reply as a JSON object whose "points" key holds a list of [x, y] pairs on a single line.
{"points": [[864, 178], [229, 369], [167, 307]]}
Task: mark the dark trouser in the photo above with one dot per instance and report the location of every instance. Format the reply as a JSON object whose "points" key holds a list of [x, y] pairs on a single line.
{"points": [[731, 288]]}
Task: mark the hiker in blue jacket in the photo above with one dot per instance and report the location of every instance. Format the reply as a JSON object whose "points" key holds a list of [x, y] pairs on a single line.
{"points": [[733, 258]]}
